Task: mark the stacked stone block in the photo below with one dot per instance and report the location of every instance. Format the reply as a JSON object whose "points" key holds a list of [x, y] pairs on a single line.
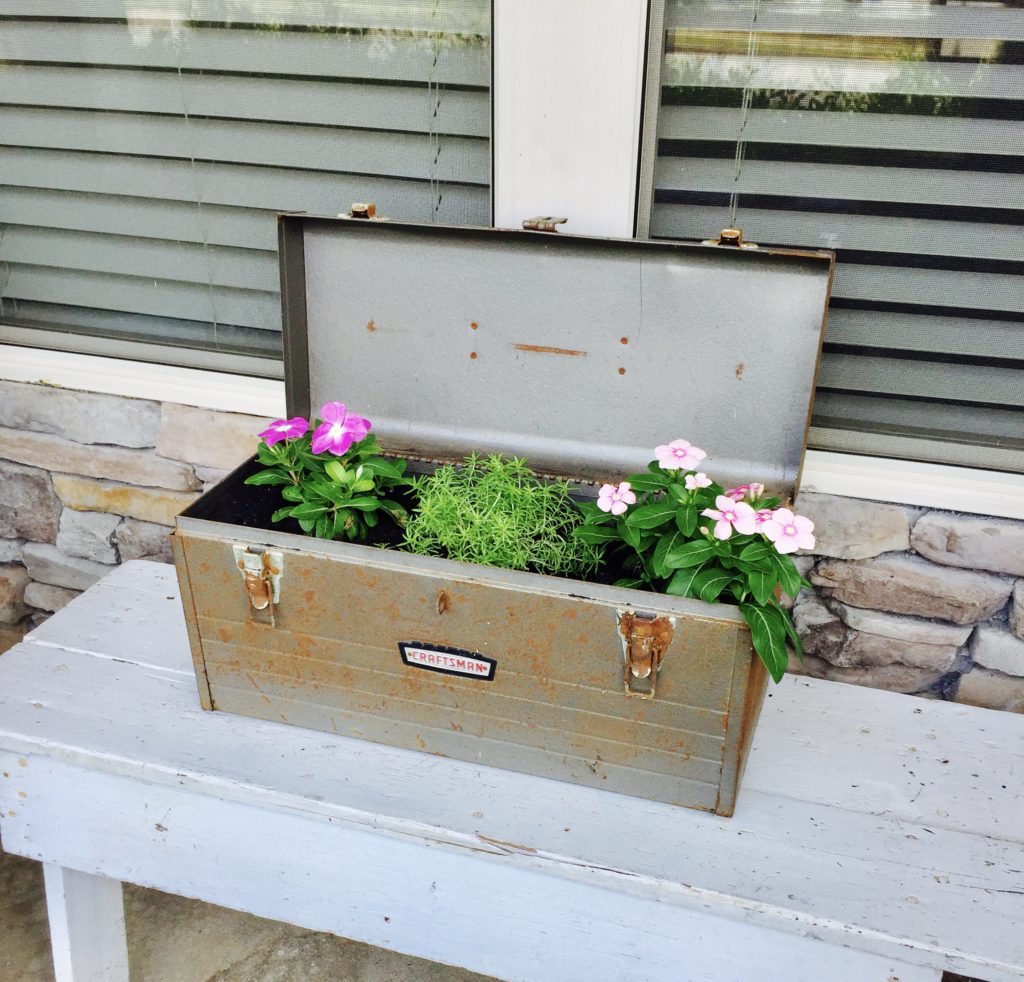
{"points": [[88, 481], [925, 602], [911, 600]]}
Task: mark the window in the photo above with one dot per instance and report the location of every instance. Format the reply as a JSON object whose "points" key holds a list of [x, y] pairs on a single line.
{"points": [[146, 145], [893, 132]]}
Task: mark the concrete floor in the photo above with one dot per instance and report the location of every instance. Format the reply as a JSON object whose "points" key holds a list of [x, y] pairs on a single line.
{"points": [[175, 940]]}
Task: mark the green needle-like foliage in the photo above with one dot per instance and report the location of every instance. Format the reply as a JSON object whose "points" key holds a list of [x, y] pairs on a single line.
{"points": [[495, 511]]}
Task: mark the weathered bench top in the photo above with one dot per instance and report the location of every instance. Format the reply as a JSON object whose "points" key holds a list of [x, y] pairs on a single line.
{"points": [[876, 836]]}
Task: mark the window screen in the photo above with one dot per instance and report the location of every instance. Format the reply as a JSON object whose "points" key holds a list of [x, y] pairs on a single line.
{"points": [[893, 132], [146, 145]]}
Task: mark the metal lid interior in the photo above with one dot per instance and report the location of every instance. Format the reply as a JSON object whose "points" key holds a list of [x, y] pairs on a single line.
{"points": [[580, 354]]}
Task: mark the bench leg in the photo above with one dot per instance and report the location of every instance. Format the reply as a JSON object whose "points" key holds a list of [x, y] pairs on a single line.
{"points": [[86, 926]]}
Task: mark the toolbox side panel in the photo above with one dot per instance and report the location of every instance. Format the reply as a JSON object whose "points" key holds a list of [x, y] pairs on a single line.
{"points": [[555, 707], [191, 623]]}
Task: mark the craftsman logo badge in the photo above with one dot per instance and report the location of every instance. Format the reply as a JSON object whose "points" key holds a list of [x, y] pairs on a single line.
{"points": [[449, 661]]}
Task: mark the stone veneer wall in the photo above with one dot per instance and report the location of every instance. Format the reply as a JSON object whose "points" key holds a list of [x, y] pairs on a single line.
{"points": [[910, 600]]}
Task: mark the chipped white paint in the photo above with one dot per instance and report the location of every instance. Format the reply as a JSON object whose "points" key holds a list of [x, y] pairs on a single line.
{"points": [[877, 835]]}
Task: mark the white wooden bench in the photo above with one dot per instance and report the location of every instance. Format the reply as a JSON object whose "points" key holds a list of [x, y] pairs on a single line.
{"points": [[877, 836]]}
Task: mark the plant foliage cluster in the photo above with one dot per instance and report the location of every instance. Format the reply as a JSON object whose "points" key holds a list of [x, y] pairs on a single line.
{"points": [[495, 511], [670, 529]]}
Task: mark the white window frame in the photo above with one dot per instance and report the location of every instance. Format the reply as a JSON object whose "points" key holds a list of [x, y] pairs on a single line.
{"points": [[566, 141]]}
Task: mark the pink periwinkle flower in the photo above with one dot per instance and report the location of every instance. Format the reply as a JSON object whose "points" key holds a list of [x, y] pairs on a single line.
{"points": [[285, 429], [695, 481], [679, 455], [789, 532], [751, 491], [339, 429], [763, 515], [731, 515], [615, 498]]}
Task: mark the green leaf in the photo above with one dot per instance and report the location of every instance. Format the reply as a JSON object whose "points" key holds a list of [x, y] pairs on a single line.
{"points": [[710, 583], [651, 516], [762, 584], [364, 485], [686, 519], [323, 523], [591, 513], [795, 639], [594, 534], [687, 554], [647, 482], [787, 573], [292, 493], [682, 582], [306, 524], [364, 503], [309, 511], [281, 514], [340, 518], [628, 534], [268, 477], [632, 584], [658, 558], [336, 470], [755, 552], [768, 635]]}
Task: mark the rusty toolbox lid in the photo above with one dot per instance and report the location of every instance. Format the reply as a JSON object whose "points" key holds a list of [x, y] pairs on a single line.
{"points": [[581, 354]]}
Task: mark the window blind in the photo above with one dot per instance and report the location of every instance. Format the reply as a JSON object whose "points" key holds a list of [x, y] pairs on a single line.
{"points": [[145, 148], [893, 132]]}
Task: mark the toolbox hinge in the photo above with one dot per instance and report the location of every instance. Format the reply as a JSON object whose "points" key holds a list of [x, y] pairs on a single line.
{"points": [[543, 223], [731, 238], [645, 639], [261, 571]]}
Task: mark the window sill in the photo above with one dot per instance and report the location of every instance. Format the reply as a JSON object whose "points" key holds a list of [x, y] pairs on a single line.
{"points": [[877, 479]]}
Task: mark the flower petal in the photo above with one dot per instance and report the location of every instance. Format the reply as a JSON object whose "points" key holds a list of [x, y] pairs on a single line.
{"points": [[333, 412]]}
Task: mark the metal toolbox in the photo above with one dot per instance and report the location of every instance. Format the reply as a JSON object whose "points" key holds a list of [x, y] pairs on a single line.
{"points": [[580, 354]]}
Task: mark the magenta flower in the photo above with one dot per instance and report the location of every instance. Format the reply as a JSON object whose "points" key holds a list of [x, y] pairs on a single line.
{"points": [[751, 491], [679, 455], [695, 481], [729, 515], [285, 429], [615, 499], [339, 429], [789, 532]]}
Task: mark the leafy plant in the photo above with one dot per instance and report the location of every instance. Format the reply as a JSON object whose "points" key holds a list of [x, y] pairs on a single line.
{"points": [[496, 511], [675, 531], [334, 481]]}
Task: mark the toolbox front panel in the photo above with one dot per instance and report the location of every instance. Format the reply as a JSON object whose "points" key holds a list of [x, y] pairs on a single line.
{"points": [[556, 704]]}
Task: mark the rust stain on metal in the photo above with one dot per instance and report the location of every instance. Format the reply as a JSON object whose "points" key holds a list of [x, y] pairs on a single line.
{"points": [[444, 601], [456, 727], [224, 634], [622, 371], [474, 325], [740, 369], [371, 326], [623, 340], [472, 356], [544, 349]]}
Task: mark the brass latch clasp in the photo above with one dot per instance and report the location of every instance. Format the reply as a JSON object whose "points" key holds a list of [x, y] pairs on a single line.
{"points": [[731, 238], [645, 639], [261, 570]]}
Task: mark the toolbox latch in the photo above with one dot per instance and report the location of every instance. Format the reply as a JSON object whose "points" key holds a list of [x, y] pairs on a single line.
{"points": [[261, 571], [645, 639], [543, 223]]}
